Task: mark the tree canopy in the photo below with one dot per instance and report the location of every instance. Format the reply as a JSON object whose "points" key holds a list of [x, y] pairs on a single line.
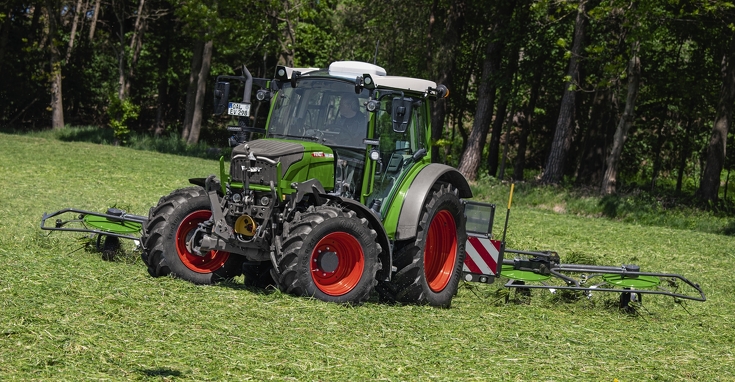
{"points": [[596, 93]]}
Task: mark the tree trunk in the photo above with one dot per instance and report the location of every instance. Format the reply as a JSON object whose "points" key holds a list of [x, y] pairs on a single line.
{"points": [[716, 150], [136, 43], [163, 63], [660, 142], [470, 161], [93, 23], [526, 122], [287, 37], [554, 169], [121, 50], [594, 152], [472, 154], [4, 34], [36, 20], [75, 22], [53, 12], [196, 120], [609, 180], [196, 65], [686, 149], [446, 62], [505, 96]]}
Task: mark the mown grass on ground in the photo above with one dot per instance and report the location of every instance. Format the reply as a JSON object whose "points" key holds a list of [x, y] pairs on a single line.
{"points": [[65, 314]]}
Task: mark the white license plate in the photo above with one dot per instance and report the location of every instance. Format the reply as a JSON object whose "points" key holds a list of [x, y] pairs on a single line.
{"points": [[238, 109]]}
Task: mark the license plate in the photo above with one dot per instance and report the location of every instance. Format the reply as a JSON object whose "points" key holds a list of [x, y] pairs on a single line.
{"points": [[238, 109]]}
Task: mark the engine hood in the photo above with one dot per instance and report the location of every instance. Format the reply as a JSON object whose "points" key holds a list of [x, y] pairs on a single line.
{"points": [[282, 161], [273, 148]]}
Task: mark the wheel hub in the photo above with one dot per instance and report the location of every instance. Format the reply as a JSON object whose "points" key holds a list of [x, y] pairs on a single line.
{"points": [[327, 261], [337, 262]]}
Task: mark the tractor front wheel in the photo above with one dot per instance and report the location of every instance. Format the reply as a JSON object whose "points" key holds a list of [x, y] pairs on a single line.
{"points": [[167, 234], [429, 266], [329, 254]]}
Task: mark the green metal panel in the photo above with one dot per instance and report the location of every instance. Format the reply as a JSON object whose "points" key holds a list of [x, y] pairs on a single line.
{"points": [[636, 282], [318, 163], [224, 178], [110, 225], [516, 274], [391, 210]]}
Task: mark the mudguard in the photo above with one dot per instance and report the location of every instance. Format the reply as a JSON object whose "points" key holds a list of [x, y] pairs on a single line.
{"points": [[419, 190]]}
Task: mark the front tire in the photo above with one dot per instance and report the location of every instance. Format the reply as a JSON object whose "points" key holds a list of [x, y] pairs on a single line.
{"points": [[329, 254], [430, 266], [170, 225]]}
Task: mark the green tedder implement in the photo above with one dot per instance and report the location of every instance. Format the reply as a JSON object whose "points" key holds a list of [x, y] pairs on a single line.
{"points": [[337, 197]]}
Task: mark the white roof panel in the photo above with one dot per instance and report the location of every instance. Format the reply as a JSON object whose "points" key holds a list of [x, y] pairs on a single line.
{"points": [[405, 83], [357, 68]]}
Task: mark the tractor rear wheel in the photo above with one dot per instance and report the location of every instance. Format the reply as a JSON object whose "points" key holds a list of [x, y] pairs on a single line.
{"points": [[429, 266], [170, 226], [329, 254]]}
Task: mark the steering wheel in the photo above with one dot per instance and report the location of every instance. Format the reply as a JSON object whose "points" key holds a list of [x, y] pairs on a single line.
{"points": [[318, 135]]}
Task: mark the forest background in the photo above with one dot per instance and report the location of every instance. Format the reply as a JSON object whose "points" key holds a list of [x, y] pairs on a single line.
{"points": [[606, 95]]}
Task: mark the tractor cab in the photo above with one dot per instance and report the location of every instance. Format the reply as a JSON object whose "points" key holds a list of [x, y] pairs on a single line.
{"points": [[375, 126]]}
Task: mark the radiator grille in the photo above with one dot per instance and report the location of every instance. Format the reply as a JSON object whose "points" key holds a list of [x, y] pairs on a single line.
{"points": [[261, 173]]}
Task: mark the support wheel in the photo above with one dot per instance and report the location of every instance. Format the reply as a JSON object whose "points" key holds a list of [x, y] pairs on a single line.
{"points": [[329, 254], [170, 225], [429, 266]]}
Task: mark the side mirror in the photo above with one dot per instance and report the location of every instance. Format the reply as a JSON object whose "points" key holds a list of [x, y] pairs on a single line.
{"points": [[442, 92], [401, 114], [221, 95]]}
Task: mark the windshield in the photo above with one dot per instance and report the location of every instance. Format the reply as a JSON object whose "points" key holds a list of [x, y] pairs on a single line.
{"points": [[321, 110]]}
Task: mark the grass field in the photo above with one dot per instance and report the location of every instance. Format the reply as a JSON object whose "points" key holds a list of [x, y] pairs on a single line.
{"points": [[65, 314]]}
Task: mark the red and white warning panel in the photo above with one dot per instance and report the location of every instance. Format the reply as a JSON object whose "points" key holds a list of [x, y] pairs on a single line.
{"points": [[482, 259]]}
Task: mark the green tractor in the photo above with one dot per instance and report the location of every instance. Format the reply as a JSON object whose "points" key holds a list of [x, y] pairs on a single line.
{"points": [[337, 199]]}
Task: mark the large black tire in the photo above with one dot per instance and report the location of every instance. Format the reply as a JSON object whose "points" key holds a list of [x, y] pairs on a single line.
{"points": [[164, 240], [430, 266], [329, 254]]}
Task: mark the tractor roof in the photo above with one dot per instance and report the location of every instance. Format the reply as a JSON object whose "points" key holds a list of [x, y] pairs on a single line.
{"points": [[349, 70]]}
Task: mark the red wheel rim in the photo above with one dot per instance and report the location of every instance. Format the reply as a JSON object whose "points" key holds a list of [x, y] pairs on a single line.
{"points": [[213, 261], [440, 251], [350, 263]]}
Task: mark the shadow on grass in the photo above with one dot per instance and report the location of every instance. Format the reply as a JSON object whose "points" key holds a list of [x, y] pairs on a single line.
{"points": [[160, 372], [169, 144], [91, 135], [610, 205], [729, 229]]}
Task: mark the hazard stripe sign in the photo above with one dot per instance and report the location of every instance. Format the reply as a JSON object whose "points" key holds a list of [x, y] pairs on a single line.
{"points": [[482, 256]]}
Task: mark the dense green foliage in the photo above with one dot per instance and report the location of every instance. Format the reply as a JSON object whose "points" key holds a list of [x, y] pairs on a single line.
{"points": [[143, 52], [67, 315]]}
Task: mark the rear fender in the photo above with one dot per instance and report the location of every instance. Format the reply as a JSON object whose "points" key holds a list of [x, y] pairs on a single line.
{"points": [[418, 191]]}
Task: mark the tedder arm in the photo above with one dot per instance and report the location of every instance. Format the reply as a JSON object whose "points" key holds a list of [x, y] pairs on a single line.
{"points": [[543, 267], [485, 261], [115, 222]]}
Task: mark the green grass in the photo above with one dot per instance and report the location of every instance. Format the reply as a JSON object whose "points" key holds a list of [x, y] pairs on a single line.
{"points": [[69, 315], [662, 209], [167, 144]]}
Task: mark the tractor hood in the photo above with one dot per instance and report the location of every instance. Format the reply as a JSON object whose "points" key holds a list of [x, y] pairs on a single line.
{"points": [[283, 162]]}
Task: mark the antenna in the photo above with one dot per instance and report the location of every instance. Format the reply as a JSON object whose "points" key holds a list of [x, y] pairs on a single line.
{"points": [[375, 57]]}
